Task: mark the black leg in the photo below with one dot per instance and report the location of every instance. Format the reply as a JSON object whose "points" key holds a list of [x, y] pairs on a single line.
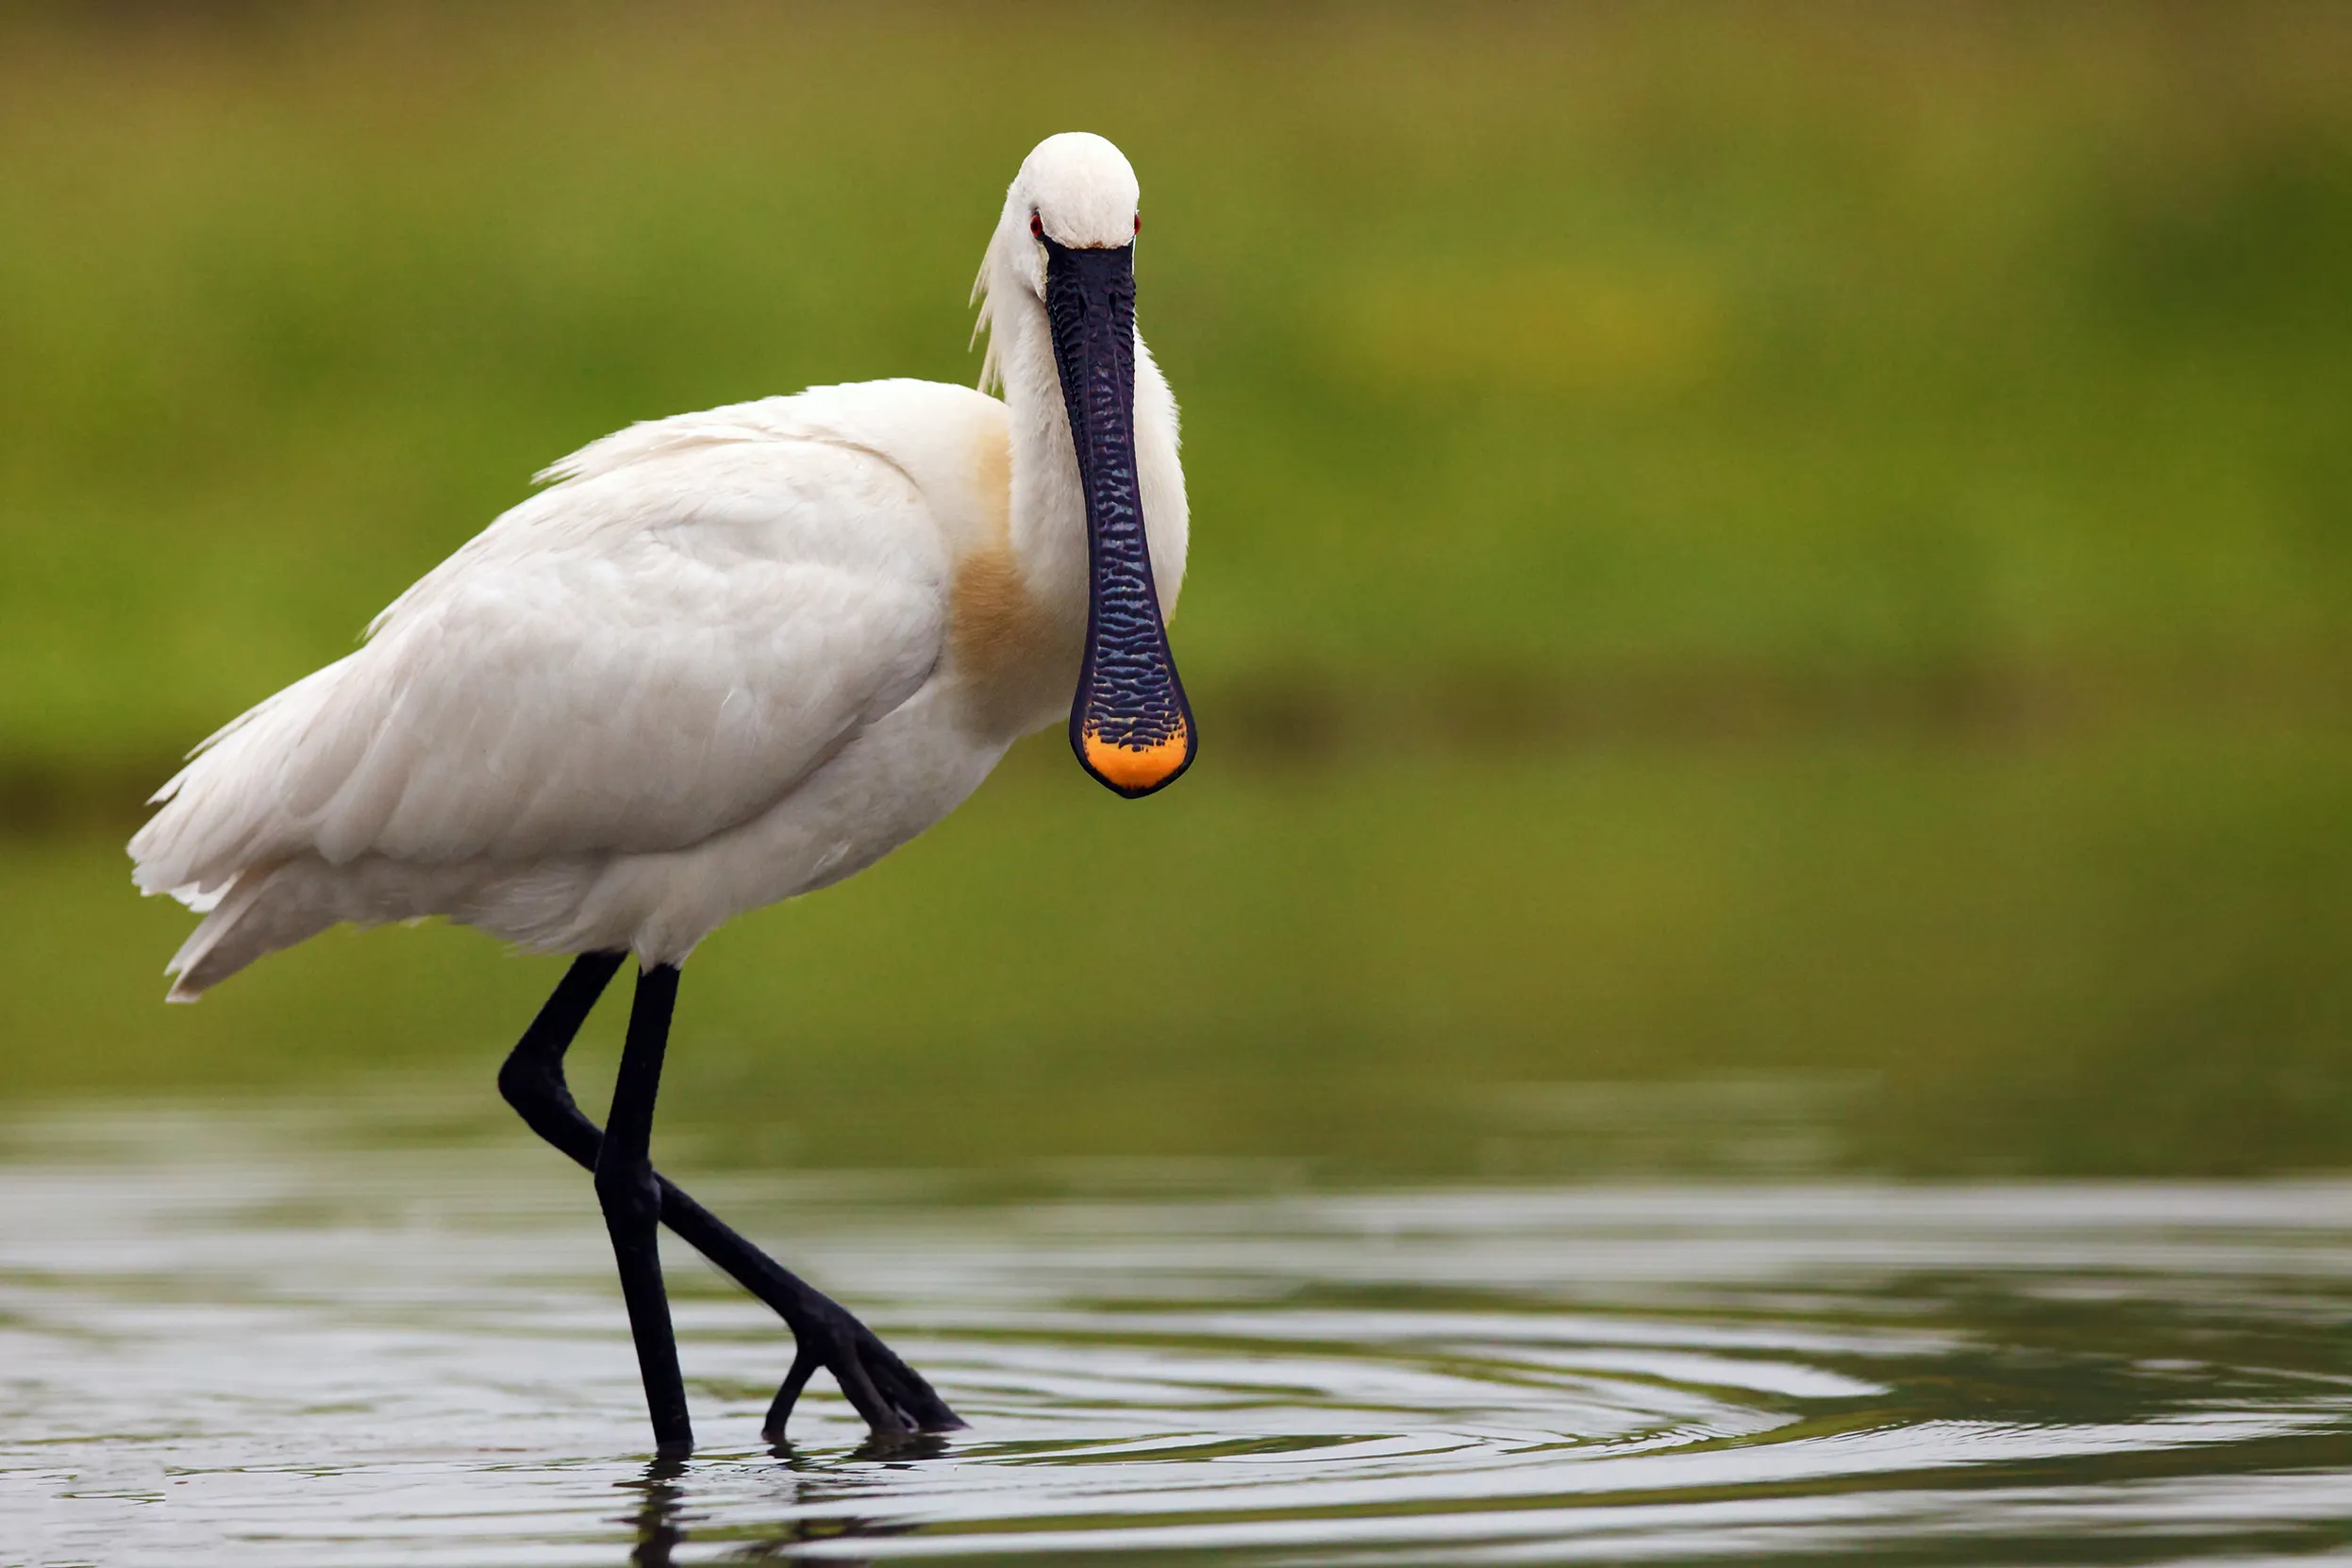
{"points": [[532, 1078], [892, 1396], [631, 1195]]}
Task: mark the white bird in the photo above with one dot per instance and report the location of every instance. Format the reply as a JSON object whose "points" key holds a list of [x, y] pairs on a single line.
{"points": [[725, 659]]}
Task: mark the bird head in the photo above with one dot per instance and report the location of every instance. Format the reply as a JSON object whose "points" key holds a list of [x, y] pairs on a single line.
{"points": [[1068, 236]]}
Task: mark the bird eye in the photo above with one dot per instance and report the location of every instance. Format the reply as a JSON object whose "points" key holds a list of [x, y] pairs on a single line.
{"points": [[1139, 222], [1037, 226]]}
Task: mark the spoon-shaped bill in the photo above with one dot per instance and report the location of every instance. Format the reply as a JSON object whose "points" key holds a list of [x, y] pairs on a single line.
{"points": [[1129, 724]]}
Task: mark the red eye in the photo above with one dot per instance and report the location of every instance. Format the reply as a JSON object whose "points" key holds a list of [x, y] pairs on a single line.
{"points": [[1139, 222], [1037, 226]]}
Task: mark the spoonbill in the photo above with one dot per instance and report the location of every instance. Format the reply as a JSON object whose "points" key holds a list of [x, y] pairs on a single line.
{"points": [[725, 659]]}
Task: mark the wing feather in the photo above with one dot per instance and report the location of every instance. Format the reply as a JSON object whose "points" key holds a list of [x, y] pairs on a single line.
{"points": [[632, 661]]}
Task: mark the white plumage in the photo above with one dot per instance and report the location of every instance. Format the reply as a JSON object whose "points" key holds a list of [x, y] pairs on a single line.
{"points": [[725, 658]]}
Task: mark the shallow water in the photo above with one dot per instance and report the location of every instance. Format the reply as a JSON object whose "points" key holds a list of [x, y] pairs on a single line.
{"points": [[261, 1337]]}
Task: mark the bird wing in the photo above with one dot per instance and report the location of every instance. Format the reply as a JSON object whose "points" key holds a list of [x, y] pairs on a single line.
{"points": [[632, 661]]}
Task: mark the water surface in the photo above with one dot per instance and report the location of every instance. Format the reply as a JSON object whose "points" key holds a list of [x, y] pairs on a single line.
{"points": [[256, 1336]]}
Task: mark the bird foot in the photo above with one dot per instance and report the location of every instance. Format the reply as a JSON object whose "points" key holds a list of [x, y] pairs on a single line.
{"points": [[894, 1399]]}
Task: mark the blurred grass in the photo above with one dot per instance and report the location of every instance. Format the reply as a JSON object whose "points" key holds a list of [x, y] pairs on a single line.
{"points": [[1841, 348], [1729, 539]]}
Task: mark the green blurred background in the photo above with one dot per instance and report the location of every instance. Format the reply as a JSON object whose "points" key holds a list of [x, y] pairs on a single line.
{"points": [[1772, 584]]}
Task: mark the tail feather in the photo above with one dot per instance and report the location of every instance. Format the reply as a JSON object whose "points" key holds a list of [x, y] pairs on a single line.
{"points": [[243, 925], [274, 906]]}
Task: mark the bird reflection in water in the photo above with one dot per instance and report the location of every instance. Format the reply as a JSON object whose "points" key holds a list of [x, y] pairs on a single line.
{"points": [[661, 1518]]}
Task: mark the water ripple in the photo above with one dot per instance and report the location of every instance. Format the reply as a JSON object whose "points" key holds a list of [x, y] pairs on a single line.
{"points": [[224, 1339]]}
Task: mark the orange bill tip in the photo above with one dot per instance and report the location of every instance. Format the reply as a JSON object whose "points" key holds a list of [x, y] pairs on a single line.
{"points": [[1137, 770]]}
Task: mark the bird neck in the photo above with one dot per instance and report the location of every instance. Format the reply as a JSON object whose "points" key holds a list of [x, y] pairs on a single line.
{"points": [[1047, 516]]}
